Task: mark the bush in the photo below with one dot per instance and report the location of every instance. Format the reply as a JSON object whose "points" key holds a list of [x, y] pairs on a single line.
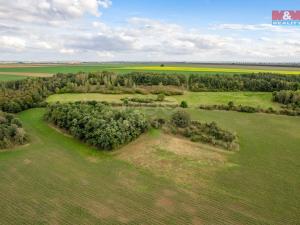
{"points": [[181, 119], [160, 97], [183, 104], [11, 131], [158, 123]]}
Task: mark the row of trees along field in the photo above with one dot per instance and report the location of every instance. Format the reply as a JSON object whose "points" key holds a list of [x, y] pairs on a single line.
{"points": [[290, 98], [97, 124], [11, 131], [16, 96]]}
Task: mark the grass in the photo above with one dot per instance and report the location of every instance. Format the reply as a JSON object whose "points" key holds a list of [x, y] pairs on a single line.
{"points": [[255, 99], [262, 185], [194, 99], [57, 180], [71, 97], [9, 77], [123, 68]]}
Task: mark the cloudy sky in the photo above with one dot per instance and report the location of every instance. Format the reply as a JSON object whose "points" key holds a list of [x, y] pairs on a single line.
{"points": [[146, 30]]}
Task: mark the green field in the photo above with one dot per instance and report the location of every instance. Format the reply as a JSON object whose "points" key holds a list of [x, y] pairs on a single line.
{"points": [[57, 180], [172, 68], [8, 77], [194, 99]]}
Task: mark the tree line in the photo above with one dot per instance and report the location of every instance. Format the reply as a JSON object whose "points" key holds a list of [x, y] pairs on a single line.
{"points": [[263, 82], [97, 124], [16, 96], [11, 131]]}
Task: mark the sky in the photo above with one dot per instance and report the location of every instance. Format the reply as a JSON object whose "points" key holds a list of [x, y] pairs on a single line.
{"points": [[146, 30]]}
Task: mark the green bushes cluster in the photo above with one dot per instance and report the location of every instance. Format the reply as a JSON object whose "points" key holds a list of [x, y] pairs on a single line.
{"points": [[11, 131], [202, 132], [250, 109], [289, 98], [97, 124], [138, 100]]}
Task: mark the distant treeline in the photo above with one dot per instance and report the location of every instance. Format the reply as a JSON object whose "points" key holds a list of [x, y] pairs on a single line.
{"points": [[97, 124], [263, 82], [16, 96], [11, 131]]}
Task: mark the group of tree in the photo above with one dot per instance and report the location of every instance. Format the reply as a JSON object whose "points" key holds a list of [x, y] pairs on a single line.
{"points": [[97, 124], [290, 98], [264, 82], [11, 131], [16, 96]]}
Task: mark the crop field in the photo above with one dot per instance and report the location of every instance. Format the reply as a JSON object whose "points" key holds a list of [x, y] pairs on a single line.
{"points": [[57, 180], [194, 99], [208, 69], [44, 69], [10, 77]]}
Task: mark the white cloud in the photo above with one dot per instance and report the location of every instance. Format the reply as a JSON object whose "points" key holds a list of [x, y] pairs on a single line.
{"points": [[12, 43], [60, 30], [49, 11]]}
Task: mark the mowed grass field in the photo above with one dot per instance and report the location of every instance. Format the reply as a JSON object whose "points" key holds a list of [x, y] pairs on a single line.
{"points": [[123, 68], [194, 99], [58, 180]]}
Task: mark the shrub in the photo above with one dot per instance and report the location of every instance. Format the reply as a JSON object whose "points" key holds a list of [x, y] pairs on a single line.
{"points": [[183, 104], [160, 97], [181, 119], [158, 123], [11, 131]]}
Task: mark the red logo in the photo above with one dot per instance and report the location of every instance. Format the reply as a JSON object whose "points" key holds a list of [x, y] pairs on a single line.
{"points": [[286, 15]]}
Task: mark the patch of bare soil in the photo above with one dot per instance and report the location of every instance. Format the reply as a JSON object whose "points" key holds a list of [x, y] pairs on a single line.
{"points": [[185, 162], [165, 203], [27, 161], [27, 74]]}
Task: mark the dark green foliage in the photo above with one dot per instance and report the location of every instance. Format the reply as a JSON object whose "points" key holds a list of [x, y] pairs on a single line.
{"points": [[250, 109], [138, 100], [202, 132], [181, 119], [245, 82], [158, 123], [212, 134], [11, 131], [19, 95], [231, 104], [148, 79], [290, 98], [183, 104], [98, 124]]}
